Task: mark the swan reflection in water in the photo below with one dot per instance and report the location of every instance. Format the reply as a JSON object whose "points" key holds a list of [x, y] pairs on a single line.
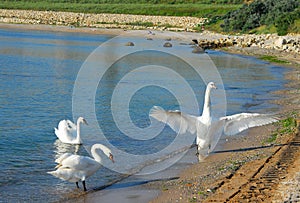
{"points": [[61, 148]]}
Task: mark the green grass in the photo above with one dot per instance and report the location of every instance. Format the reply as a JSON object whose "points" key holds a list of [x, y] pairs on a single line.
{"points": [[273, 59], [163, 9], [295, 28], [264, 29], [286, 126], [272, 138]]}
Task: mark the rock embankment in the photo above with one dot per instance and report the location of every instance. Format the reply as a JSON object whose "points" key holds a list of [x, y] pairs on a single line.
{"points": [[289, 43], [206, 40], [101, 20]]}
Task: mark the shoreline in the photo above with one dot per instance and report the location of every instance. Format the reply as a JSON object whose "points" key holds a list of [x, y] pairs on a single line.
{"points": [[286, 48], [193, 184]]}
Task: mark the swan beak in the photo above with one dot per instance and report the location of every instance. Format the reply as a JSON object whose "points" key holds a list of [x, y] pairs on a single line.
{"points": [[111, 157], [58, 165], [214, 86], [85, 122]]}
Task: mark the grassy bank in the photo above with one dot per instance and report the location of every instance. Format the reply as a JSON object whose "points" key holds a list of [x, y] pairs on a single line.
{"points": [[188, 8]]}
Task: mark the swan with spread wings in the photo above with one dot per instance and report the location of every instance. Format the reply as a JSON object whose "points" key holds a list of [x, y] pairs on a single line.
{"points": [[204, 126]]}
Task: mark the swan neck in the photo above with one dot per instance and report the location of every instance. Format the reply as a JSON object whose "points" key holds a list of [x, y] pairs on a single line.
{"points": [[206, 106], [78, 138], [95, 155]]}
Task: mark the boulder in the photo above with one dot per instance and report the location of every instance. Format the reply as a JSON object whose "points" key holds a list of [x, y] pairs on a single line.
{"points": [[280, 41]]}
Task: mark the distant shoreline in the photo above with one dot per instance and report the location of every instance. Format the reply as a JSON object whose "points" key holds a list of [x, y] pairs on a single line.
{"points": [[282, 47]]}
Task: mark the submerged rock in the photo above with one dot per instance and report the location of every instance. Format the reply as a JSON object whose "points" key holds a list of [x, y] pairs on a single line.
{"points": [[129, 44], [198, 50], [167, 44]]}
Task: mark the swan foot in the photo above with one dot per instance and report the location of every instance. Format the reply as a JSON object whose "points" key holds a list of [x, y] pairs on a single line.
{"points": [[77, 185], [201, 157], [83, 183]]}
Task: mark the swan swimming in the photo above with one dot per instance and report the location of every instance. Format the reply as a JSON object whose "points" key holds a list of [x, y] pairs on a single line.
{"points": [[68, 132], [75, 168], [203, 125]]}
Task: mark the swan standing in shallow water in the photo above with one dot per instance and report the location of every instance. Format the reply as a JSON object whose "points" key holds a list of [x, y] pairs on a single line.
{"points": [[203, 125], [75, 168], [68, 132]]}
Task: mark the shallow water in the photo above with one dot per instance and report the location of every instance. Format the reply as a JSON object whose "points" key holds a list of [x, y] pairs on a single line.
{"points": [[37, 75]]}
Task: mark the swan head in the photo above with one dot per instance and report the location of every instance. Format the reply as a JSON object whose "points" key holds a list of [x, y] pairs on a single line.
{"points": [[105, 150], [211, 85], [108, 153], [82, 120], [111, 157]]}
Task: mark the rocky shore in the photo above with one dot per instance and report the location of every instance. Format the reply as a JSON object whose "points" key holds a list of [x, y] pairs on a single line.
{"points": [[207, 40], [103, 20], [289, 43]]}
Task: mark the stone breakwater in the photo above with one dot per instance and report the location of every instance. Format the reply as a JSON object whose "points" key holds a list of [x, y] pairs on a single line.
{"points": [[122, 21], [289, 43]]}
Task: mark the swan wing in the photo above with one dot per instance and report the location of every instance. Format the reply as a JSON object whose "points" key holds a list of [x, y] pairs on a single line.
{"points": [[79, 163], [67, 174], [70, 125], [239, 122], [62, 157], [66, 131], [178, 121]]}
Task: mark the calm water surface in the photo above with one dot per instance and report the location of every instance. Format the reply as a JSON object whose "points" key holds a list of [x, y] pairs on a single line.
{"points": [[37, 75]]}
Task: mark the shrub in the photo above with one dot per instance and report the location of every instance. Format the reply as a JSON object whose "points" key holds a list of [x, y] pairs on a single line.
{"points": [[281, 13]]}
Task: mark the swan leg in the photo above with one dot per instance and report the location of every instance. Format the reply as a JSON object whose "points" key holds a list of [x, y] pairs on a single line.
{"points": [[77, 185], [209, 147], [83, 183], [197, 152]]}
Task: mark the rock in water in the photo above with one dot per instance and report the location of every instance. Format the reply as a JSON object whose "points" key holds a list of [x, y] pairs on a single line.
{"points": [[167, 44], [198, 50], [129, 44]]}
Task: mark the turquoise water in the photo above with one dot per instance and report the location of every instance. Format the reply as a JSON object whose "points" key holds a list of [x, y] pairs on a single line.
{"points": [[37, 74]]}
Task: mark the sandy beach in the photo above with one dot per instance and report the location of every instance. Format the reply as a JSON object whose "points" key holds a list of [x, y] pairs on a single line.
{"points": [[237, 171]]}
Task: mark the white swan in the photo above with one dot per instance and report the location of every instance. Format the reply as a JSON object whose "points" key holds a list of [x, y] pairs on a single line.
{"points": [[68, 132], [75, 168], [203, 125]]}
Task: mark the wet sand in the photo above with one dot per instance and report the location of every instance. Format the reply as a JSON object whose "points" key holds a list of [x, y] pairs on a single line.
{"points": [[199, 182]]}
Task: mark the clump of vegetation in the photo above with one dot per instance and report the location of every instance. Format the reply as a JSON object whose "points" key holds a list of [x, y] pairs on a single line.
{"points": [[286, 126], [281, 13], [273, 59]]}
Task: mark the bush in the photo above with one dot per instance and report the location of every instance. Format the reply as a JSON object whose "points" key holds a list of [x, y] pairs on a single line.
{"points": [[281, 13]]}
